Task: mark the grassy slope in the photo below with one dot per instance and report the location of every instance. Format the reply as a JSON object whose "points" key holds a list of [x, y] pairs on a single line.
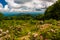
{"points": [[20, 29]]}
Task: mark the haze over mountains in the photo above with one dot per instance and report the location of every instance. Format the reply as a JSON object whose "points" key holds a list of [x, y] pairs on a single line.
{"points": [[26, 5]]}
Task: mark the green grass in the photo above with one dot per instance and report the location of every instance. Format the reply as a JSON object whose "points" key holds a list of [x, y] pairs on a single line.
{"points": [[20, 28]]}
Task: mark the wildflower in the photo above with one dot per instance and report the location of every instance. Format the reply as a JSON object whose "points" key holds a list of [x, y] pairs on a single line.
{"points": [[35, 35], [52, 30], [7, 31]]}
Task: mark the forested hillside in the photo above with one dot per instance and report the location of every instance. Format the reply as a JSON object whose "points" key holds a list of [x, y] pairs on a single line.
{"points": [[53, 12]]}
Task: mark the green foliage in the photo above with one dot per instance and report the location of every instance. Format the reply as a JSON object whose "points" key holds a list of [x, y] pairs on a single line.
{"points": [[52, 33], [1, 16], [32, 29], [51, 21], [53, 12], [25, 17], [39, 17], [22, 17]]}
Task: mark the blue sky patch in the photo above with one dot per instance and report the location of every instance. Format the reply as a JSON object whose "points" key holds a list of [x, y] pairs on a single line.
{"points": [[3, 2]]}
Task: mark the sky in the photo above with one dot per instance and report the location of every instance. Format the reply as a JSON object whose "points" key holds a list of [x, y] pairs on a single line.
{"points": [[3, 2], [24, 5]]}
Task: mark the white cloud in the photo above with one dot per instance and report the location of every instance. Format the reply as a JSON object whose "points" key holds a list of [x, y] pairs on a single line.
{"points": [[1, 7], [49, 0], [21, 1], [6, 8], [12, 4], [27, 5], [38, 4]]}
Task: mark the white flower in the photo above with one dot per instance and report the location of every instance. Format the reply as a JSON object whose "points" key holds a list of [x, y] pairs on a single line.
{"points": [[35, 35], [7, 31], [52, 30]]}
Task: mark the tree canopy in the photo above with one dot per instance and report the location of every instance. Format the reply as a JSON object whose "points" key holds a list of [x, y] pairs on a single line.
{"points": [[53, 12]]}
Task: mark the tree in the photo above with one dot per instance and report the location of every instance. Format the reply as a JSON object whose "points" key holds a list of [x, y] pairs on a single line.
{"points": [[53, 12]]}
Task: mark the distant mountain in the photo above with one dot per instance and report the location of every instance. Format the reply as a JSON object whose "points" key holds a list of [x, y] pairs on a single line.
{"points": [[20, 13]]}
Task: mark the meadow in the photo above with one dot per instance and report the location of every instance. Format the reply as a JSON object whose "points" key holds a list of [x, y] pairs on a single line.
{"points": [[30, 29]]}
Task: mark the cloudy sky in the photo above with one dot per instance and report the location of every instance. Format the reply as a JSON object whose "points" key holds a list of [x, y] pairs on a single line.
{"points": [[24, 5]]}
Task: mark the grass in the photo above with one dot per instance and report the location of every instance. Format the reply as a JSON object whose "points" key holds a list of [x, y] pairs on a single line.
{"points": [[30, 30]]}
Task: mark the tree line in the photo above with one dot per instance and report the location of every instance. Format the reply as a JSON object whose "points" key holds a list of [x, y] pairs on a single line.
{"points": [[21, 17]]}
